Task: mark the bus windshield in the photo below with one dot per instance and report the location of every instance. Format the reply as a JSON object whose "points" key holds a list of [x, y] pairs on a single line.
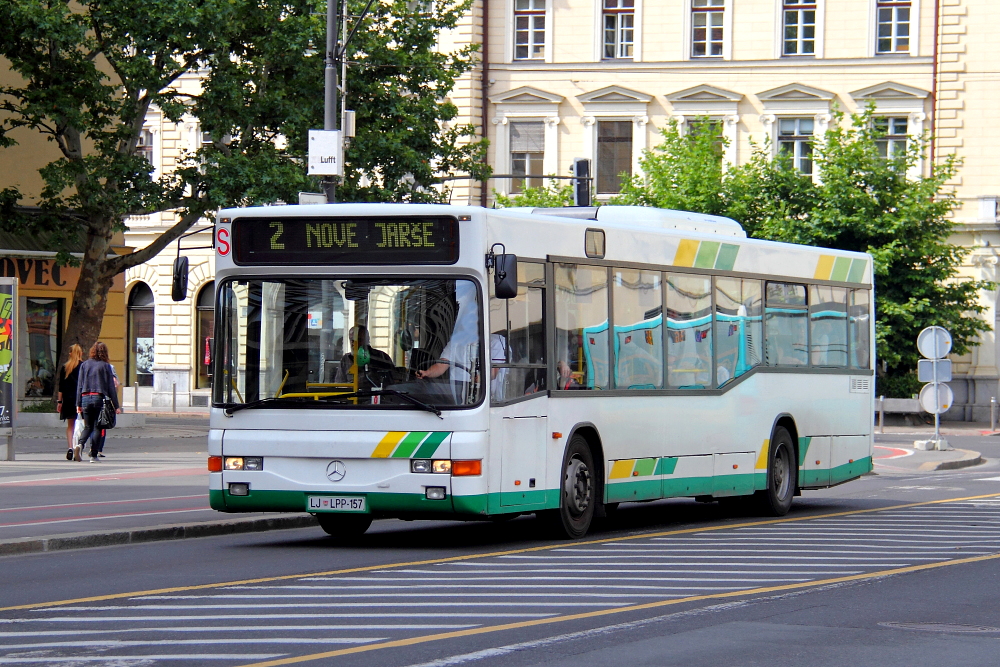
{"points": [[348, 342]]}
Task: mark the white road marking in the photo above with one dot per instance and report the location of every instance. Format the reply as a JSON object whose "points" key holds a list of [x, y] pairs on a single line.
{"points": [[247, 628], [117, 643], [142, 659], [988, 479], [245, 617]]}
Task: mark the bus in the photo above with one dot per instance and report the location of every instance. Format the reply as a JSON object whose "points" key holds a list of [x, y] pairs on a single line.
{"points": [[432, 361]]}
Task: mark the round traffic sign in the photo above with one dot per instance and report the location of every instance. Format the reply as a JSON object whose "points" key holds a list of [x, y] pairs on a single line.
{"points": [[934, 342], [936, 402]]}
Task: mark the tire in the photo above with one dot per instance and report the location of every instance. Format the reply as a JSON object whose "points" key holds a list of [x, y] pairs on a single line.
{"points": [[782, 473], [578, 496], [344, 526]]}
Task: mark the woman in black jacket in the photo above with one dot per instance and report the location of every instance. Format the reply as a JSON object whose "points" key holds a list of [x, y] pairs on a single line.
{"points": [[69, 373], [97, 382]]}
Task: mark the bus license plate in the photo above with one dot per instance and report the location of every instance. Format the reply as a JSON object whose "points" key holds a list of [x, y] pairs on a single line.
{"points": [[337, 504]]}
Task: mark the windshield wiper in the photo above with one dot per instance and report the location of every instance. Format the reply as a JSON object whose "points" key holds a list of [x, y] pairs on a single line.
{"points": [[388, 392], [264, 401]]}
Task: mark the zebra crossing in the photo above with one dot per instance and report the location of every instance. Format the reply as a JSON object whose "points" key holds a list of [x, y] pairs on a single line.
{"points": [[286, 618]]}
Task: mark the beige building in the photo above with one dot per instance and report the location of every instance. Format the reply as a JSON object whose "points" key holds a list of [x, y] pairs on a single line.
{"points": [[169, 343], [598, 79]]}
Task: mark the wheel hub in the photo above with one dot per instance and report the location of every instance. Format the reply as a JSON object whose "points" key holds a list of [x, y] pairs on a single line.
{"points": [[578, 487]]}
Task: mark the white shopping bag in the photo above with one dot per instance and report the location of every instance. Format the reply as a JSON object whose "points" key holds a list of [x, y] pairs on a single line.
{"points": [[78, 430]]}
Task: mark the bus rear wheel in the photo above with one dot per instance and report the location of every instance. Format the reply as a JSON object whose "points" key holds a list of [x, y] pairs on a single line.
{"points": [[776, 500], [344, 526], [578, 495]]}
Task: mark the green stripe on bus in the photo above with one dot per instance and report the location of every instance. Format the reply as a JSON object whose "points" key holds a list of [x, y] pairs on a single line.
{"points": [[408, 444], [857, 272], [706, 254], [803, 448], [840, 268], [727, 257], [431, 444], [666, 465], [644, 467]]}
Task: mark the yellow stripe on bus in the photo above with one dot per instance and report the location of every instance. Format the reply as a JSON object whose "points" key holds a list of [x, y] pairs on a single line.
{"points": [[687, 250], [762, 459], [622, 469], [388, 443], [824, 267]]}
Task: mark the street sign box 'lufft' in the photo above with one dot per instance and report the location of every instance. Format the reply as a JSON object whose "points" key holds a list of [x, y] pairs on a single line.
{"points": [[326, 153]]}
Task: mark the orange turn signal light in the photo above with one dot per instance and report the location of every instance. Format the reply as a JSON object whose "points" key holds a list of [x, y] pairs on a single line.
{"points": [[466, 468], [556, 435], [214, 464]]}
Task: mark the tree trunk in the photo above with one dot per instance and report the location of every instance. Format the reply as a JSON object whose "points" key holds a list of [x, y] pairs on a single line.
{"points": [[90, 298]]}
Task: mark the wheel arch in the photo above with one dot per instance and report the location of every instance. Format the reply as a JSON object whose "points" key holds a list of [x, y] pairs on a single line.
{"points": [[589, 432], [786, 420]]}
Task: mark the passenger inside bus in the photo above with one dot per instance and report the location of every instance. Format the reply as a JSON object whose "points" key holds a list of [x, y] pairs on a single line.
{"points": [[375, 359]]}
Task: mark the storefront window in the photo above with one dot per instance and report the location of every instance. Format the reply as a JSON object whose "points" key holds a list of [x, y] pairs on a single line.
{"points": [[140, 335], [206, 335], [44, 318]]}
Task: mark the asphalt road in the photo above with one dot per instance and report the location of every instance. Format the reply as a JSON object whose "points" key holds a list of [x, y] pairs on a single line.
{"points": [[877, 571]]}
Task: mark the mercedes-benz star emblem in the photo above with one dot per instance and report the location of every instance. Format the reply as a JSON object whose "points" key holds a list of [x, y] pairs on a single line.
{"points": [[336, 471]]}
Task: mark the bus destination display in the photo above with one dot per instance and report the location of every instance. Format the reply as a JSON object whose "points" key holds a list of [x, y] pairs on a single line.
{"points": [[373, 240]]}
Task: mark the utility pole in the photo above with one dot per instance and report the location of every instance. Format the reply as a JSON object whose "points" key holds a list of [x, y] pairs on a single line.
{"points": [[330, 93]]}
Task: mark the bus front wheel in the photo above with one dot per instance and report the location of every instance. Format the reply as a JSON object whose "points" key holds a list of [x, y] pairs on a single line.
{"points": [[776, 500], [344, 526], [578, 492]]}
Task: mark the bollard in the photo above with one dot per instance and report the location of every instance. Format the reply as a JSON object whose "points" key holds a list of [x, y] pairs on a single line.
{"points": [[993, 416], [173, 392], [881, 414], [135, 395]]}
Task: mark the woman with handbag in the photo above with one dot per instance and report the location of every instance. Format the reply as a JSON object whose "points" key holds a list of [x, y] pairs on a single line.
{"points": [[69, 373], [95, 387]]}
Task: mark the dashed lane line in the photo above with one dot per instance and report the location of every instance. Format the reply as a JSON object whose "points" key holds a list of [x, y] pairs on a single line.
{"points": [[466, 557]]}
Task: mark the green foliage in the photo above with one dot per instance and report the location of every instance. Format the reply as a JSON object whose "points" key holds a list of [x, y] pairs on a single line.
{"points": [[861, 201], [41, 406], [549, 195], [397, 82], [901, 385], [91, 70]]}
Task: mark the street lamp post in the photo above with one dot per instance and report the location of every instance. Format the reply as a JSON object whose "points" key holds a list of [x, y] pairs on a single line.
{"points": [[330, 92]]}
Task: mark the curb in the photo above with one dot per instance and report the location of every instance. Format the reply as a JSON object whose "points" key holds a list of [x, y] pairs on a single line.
{"points": [[29, 545], [969, 458]]}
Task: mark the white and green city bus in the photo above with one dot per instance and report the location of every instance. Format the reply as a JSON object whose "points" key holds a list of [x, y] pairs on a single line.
{"points": [[426, 361]]}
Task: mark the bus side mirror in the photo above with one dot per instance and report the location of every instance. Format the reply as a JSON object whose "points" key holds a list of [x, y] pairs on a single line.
{"points": [[505, 276], [179, 285]]}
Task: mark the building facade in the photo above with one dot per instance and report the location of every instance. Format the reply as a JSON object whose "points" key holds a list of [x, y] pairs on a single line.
{"points": [[599, 79]]}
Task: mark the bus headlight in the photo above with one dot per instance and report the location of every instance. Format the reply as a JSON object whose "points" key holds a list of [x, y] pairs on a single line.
{"points": [[441, 466], [435, 493], [244, 463], [420, 465]]}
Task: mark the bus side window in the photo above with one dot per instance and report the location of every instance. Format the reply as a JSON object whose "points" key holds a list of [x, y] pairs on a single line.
{"points": [[638, 322], [689, 331], [581, 326], [859, 323], [517, 337], [828, 326], [739, 334], [785, 325]]}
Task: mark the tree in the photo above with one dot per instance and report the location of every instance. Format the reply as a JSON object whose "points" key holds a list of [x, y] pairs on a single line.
{"points": [[550, 195], [863, 200], [92, 69]]}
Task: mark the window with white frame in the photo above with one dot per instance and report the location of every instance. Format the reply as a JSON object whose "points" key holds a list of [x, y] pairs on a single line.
{"points": [[527, 151], [893, 26], [707, 18], [619, 28], [795, 137], [144, 147], [892, 131], [529, 29], [799, 17], [614, 154]]}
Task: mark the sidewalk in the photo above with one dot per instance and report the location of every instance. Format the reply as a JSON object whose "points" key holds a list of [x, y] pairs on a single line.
{"points": [[152, 485]]}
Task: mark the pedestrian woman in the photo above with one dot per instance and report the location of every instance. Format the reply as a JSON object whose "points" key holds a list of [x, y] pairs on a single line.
{"points": [[69, 373], [96, 382]]}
